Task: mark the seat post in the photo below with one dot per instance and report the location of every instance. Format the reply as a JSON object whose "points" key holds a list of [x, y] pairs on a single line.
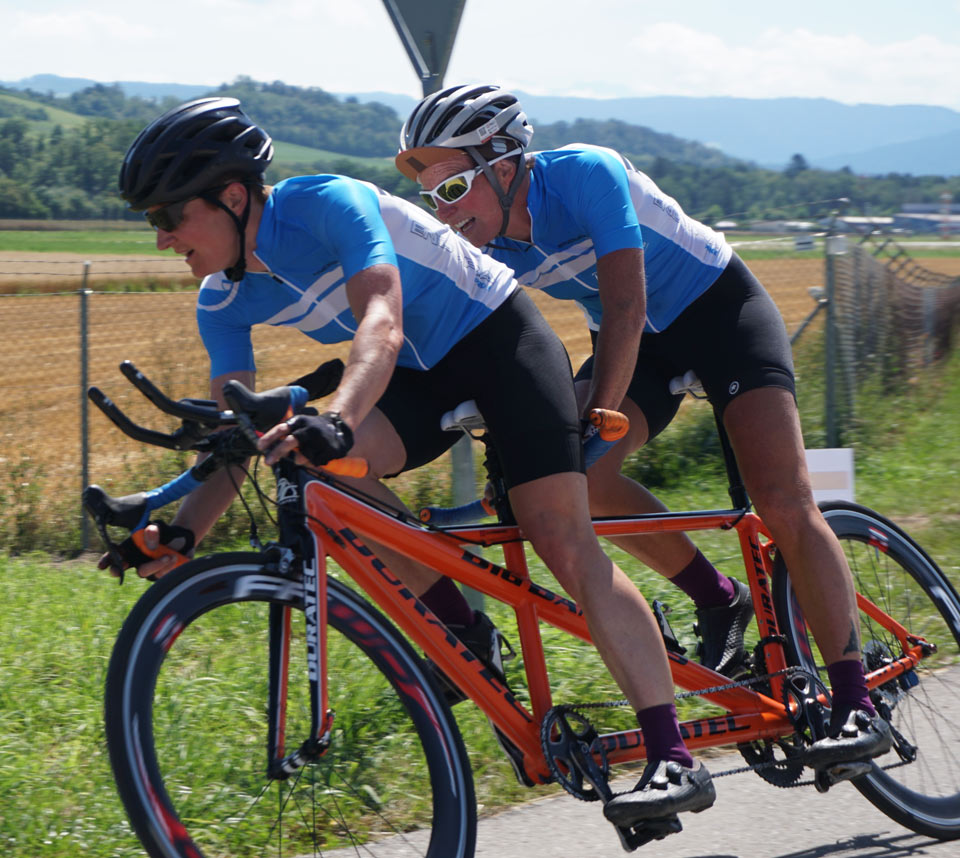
{"points": [[735, 487]]}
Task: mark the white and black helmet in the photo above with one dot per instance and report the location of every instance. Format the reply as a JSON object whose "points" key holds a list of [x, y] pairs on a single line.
{"points": [[485, 122], [461, 117]]}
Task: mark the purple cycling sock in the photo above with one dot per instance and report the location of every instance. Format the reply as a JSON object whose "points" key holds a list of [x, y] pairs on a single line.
{"points": [[448, 603], [661, 735], [704, 584], [849, 687]]}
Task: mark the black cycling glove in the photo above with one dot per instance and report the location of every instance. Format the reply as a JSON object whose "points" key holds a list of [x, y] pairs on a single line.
{"points": [[180, 539], [321, 438]]}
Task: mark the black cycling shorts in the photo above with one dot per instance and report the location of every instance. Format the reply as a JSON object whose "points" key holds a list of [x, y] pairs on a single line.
{"points": [[733, 337], [516, 369]]}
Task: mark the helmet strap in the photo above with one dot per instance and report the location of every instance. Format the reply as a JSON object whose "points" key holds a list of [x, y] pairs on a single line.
{"points": [[236, 271], [505, 197]]}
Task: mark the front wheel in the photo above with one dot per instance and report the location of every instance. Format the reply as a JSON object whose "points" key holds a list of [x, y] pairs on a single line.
{"points": [[186, 726], [894, 573]]}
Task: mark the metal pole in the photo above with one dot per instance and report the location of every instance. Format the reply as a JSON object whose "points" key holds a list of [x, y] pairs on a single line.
{"points": [[836, 245], [830, 344], [929, 323], [84, 406], [463, 476]]}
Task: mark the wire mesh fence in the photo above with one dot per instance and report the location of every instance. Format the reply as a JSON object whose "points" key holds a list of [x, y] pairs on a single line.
{"points": [[890, 315]]}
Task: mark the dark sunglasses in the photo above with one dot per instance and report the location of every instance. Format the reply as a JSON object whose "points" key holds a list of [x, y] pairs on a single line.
{"points": [[170, 216], [456, 186]]}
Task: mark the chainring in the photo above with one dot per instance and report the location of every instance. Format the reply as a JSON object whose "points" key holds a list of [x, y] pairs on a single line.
{"points": [[565, 736], [801, 693], [783, 770]]}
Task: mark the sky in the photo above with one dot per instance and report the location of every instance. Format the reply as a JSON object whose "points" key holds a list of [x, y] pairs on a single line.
{"points": [[852, 51]]}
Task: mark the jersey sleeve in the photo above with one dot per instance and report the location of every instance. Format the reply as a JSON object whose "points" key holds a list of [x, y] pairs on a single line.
{"points": [[601, 202], [225, 335], [347, 222]]}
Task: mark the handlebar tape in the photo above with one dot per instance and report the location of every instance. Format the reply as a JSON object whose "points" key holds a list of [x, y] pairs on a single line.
{"points": [[611, 425], [465, 514], [348, 466]]}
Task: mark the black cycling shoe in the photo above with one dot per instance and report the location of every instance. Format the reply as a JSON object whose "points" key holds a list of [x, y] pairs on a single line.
{"points": [[858, 738], [487, 643], [721, 633], [664, 789]]}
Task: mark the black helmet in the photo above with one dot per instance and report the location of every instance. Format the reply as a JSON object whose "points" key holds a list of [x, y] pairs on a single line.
{"points": [[189, 149], [461, 117]]}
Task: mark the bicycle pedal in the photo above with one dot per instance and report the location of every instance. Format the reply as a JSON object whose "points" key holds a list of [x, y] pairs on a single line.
{"points": [[634, 836], [828, 777], [660, 611]]}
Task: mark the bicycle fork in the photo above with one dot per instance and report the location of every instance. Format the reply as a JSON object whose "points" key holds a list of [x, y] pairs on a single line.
{"points": [[281, 765]]}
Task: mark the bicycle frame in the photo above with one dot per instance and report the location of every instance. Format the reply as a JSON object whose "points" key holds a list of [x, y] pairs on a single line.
{"points": [[336, 520]]}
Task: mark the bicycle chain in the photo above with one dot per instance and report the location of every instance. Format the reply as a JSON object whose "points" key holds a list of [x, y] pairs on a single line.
{"points": [[576, 709]]}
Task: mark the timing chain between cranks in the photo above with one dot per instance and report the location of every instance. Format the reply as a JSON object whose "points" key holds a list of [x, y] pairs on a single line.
{"points": [[552, 718]]}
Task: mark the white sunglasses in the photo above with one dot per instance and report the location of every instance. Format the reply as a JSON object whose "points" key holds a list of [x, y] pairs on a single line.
{"points": [[458, 185]]}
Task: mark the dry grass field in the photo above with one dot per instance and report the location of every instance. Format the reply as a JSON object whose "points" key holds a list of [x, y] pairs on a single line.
{"points": [[40, 389]]}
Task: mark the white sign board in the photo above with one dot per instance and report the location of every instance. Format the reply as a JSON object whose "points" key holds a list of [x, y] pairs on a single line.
{"points": [[831, 473]]}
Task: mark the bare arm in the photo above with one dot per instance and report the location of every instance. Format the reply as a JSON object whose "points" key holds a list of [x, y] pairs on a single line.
{"points": [[202, 508], [377, 303], [624, 298], [376, 300]]}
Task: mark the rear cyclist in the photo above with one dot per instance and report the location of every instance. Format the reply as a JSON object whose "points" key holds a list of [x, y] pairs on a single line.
{"points": [[432, 322], [663, 294]]}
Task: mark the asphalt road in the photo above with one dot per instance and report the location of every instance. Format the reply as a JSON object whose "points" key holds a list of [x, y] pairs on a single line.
{"points": [[751, 819]]}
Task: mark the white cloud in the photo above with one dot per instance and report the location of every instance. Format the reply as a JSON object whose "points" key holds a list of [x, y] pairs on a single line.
{"points": [[352, 46], [679, 60]]}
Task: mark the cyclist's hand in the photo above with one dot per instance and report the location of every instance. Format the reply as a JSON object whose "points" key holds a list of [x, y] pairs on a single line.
{"points": [[153, 536], [314, 440]]}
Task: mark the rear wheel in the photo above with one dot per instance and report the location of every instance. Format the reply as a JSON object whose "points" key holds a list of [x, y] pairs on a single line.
{"points": [[923, 706], [186, 722]]}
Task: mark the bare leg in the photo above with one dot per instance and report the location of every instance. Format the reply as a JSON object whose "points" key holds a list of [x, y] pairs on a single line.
{"points": [[553, 513], [377, 441], [613, 493], [764, 430]]}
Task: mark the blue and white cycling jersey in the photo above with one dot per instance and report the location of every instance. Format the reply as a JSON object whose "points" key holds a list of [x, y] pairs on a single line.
{"points": [[586, 201], [316, 232]]}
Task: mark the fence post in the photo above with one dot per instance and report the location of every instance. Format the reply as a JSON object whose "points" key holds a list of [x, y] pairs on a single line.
{"points": [[830, 343], [84, 406], [929, 321]]}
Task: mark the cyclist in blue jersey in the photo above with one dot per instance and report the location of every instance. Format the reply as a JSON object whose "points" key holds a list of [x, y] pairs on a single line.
{"points": [[432, 321], [662, 294]]}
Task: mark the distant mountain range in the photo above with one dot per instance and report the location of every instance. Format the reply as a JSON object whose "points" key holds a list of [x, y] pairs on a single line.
{"points": [[868, 138]]}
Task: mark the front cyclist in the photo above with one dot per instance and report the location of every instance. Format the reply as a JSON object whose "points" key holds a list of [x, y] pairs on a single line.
{"points": [[432, 321], [662, 294]]}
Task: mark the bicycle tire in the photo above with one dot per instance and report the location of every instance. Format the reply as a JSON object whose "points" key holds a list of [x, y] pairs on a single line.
{"points": [[186, 701], [897, 575]]}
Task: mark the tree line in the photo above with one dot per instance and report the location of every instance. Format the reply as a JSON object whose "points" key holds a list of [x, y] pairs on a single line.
{"points": [[70, 173]]}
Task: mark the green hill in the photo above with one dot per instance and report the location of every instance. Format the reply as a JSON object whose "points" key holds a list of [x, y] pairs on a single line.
{"points": [[294, 153], [41, 118]]}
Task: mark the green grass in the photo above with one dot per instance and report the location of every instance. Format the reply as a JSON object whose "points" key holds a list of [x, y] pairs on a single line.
{"points": [[139, 242], [294, 153], [55, 116], [60, 619]]}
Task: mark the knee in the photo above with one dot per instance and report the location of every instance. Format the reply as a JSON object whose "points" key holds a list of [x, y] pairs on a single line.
{"points": [[786, 509], [600, 484], [567, 562]]}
